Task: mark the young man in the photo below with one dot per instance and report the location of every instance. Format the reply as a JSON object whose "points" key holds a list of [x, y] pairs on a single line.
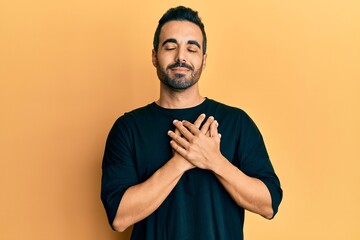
{"points": [[185, 166]]}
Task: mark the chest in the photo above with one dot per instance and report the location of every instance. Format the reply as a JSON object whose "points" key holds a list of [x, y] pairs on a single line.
{"points": [[151, 147]]}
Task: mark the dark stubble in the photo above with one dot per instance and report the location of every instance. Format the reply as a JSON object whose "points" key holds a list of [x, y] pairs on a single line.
{"points": [[179, 81]]}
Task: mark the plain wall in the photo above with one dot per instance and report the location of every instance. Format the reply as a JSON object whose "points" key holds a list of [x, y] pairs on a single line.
{"points": [[68, 69]]}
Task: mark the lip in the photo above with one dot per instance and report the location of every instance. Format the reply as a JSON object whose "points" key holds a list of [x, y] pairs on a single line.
{"points": [[180, 69]]}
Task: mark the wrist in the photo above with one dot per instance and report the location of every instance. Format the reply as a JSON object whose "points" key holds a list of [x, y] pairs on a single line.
{"points": [[219, 165], [180, 164]]}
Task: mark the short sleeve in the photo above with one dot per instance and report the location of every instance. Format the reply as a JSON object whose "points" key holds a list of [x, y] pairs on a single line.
{"points": [[255, 161], [118, 168]]}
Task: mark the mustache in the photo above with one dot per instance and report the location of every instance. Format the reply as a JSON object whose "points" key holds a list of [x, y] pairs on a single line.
{"points": [[180, 64]]}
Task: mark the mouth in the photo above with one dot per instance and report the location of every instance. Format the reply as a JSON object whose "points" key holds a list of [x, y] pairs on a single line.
{"points": [[180, 69]]}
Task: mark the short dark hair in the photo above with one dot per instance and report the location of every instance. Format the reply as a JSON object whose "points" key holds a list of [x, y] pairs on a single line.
{"points": [[179, 13]]}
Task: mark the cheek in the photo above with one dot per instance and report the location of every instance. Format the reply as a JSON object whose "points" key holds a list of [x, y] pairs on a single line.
{"points": [[163, 62], [199, 64]]}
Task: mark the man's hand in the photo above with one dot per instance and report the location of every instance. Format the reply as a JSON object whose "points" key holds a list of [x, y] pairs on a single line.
{"points": [[183, 163], [200, 147]]}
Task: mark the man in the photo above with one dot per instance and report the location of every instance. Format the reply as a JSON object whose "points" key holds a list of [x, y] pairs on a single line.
{"points": [[185, 166]]}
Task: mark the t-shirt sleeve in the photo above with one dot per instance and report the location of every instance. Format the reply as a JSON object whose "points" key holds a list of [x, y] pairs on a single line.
{"points": [[255, 161], [118, 168]]}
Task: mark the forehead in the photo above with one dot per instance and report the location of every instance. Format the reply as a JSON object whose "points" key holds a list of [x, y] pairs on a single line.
{"points": [[181, 31]]}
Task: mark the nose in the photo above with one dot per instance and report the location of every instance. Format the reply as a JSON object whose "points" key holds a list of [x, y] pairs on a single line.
{"points": [[181, 57]]}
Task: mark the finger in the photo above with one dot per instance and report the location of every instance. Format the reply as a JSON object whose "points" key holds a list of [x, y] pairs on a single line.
{"points": [[214, 129], [183, 130], [193, 130], [178, 142], [178, 139], [207, 124], [199, 120], [177, 132], [177, 148]]}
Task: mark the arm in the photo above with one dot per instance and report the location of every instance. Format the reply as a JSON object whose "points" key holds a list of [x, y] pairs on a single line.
{"points": [[140, 200], [249, 193], [203, 151]]}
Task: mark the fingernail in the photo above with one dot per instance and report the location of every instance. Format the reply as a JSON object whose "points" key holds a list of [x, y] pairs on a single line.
{"points": [[175, 121], [211, 117]]}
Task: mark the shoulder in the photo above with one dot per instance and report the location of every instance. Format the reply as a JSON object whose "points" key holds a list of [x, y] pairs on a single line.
{"points": [[232, 117], [228, 110], [126, 123], [135, 115]]}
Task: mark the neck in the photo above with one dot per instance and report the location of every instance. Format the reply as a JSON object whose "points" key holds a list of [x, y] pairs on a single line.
{"points": [[179, 99]]}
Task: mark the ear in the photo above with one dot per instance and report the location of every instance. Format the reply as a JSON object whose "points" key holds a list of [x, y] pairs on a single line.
{"points": [[153, 56], [204, 61]]}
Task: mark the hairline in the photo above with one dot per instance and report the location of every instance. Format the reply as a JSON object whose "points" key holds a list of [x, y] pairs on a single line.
{"points": [[203, 33]]}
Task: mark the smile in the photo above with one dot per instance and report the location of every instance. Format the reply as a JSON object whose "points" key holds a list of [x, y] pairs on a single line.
{"points": [[180, 69]]}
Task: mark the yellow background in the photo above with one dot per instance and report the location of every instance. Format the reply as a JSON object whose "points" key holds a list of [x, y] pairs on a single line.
{"points": [[68, 69]]}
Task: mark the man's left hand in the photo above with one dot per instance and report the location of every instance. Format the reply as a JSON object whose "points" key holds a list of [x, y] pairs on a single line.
{"points": [[201, 147]]}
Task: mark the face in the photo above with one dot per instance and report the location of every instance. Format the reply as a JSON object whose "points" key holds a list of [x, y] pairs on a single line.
{"points": [[179, 59]]}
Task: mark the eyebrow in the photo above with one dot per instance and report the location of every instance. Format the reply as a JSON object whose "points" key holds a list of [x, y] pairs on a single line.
{"points": [[169, 40], [192, 42], [173, 40]]}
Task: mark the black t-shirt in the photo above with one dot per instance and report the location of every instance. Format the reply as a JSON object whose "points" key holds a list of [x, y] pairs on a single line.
{"points": [[199, 206]]}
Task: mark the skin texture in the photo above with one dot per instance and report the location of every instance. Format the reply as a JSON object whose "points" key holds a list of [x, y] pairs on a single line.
{"points": [[179, 61]]}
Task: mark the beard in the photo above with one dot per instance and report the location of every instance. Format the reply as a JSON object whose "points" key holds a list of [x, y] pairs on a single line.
{"points": [[179, 81]]}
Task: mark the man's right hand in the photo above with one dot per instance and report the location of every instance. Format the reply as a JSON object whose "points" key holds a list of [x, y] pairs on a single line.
{"points": [[181, 162]]}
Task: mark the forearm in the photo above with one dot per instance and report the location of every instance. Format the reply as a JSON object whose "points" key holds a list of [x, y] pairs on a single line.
{"points": [[249, 193], [202, 149], [140, 200]]}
